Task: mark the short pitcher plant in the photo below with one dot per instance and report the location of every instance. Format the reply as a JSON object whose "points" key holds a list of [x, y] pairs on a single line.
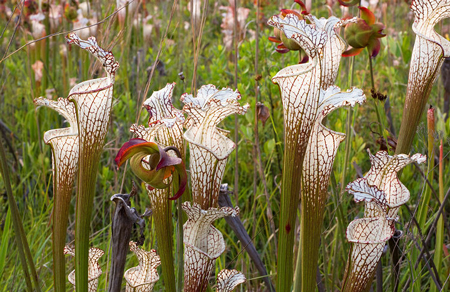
{"points": [[143, 277], [209, 148], [94, 270], [383, 194], [65, 148]]}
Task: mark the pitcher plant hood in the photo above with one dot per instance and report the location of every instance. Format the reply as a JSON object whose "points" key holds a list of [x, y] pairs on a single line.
{"points": [[228, 280], [165, 123], [94, 270], [203, 244], [143, 277], [209, 146]]}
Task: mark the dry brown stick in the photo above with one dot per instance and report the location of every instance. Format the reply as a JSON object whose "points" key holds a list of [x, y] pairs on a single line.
{"points": [[236, 224]]}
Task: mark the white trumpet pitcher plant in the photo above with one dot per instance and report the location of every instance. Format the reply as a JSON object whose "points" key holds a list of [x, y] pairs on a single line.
{"points": [[203, 244], [430, 49], [165, 127], [209, 145], [383, 194], [94, 270], [93, 101], [301, 87], [65, 148]]}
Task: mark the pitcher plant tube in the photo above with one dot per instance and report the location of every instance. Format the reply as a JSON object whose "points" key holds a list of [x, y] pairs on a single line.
{"points": [[93, 101], [317, 166], [209, 145], [65, 145], [383, 194], [203, 244], [300, 87], [428, 54]]}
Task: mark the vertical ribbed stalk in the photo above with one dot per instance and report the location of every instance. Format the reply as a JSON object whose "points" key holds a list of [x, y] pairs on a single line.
{"points": [[423, 208], [61, 205], [438, 251], [292, 167], [179, 247], [162, 214], [310, 230], [87, 177]]}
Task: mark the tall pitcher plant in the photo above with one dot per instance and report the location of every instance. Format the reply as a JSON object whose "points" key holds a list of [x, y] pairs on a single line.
{"points": [[77, 150], [64, 145], [429, 52], [209, 148], [92, 100], [306, 101], [165, 127]]}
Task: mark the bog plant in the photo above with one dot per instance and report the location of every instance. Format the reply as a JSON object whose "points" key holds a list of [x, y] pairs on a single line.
{"points": [[181, 156]]}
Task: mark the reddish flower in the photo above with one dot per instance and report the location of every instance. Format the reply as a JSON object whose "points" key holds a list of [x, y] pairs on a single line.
{"points": [[365, 33], [152, 164]]}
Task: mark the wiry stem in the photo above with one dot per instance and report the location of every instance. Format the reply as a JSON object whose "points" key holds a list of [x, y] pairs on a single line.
{"points": [[236, 121], [380, 124], [348, 130]]}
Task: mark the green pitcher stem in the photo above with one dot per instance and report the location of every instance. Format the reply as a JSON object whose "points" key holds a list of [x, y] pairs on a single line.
{"points": [[290, 190], [348, 128], [86, 183], [162, 213], [179, 248], [60, 219], [308, 252]]}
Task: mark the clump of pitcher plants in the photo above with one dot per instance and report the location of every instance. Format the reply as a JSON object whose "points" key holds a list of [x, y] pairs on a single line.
{"points": [[157, 156]]}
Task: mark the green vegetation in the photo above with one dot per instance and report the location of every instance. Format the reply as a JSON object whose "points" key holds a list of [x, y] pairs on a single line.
{"points": [[136, 49]]}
